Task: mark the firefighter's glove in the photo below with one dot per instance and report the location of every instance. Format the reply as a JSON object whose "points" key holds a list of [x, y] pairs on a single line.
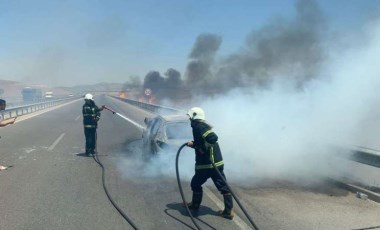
{"points": [[190, 144]]}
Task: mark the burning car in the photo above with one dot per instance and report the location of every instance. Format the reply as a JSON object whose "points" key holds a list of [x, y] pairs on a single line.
{"points": [[165, 132]]}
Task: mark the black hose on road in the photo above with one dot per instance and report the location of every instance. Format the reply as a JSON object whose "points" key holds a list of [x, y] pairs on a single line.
{"points": [[122, 213], [216, 168], [235, 197], [180, 187]]}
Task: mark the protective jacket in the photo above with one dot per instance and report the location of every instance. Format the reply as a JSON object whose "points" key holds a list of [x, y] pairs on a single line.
{"points": [[91, 115], [206, 146]]}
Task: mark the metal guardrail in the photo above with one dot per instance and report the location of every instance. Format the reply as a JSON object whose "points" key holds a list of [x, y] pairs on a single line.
{"points": [[366, 156], [150, 107], [359, 154], [26, 109]]}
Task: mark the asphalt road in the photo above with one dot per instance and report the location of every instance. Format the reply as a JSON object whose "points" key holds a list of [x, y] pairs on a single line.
{"points": [[52, 185]]}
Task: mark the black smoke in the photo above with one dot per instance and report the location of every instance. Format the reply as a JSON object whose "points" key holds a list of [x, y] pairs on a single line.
{"points": [[202, 58], [173, 83], [168, 86], [288, 49], [133, 82]]}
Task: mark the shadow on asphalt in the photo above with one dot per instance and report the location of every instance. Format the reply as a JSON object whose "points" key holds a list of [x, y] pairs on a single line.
{"points": [[175, 218], [82, 155], [203, 210], [85, 155]]}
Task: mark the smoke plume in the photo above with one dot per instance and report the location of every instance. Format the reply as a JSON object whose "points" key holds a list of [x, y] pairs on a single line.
{"points": [[270, 129], [281, 132], [173, 83], [289, 49], [132, 82], [202, 55], [169, 86]]}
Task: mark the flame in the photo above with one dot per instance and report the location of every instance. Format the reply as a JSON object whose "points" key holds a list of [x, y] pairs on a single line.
{"points": [[152, 100]]}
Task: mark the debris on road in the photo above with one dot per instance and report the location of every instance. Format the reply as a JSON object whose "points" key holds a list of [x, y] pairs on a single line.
{"points": [[3, 168], [361, 195]]}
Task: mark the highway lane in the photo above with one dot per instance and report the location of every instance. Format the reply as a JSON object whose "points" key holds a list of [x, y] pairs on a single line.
{"points": [[311, 204], [53, 186], [157, 195]]}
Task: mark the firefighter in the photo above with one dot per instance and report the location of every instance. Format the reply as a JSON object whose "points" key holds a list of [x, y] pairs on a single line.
{"points": [[91, 116], [207, 150], [3, 105], [5, 123]]}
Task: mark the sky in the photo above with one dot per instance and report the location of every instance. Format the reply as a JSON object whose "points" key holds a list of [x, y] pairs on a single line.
{"points": [[71, 42]]}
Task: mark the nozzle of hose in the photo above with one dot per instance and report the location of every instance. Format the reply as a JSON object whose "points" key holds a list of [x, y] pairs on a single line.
{"points": [[105, 107]]}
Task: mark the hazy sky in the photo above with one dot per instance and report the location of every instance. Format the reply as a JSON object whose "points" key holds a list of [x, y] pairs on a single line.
{"points": [[69, 42]]}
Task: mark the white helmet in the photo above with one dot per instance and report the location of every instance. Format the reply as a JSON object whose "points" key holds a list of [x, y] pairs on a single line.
{"points": [[88, 96], [196, 113]]}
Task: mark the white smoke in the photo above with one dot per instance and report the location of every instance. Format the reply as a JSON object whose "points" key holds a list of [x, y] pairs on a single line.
{"points": [[137, 165], [282, 132]]}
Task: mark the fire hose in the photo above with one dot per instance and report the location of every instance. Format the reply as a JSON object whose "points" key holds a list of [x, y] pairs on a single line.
{"points": [[217, 170], [179, 184], [122, 213]]}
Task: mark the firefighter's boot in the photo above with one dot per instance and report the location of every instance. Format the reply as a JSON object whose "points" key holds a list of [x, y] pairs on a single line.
{"points": [[90, 152], [196, 201], [228, 205]]}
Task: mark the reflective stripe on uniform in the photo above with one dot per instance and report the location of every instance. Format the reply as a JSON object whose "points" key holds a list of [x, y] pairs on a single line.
{"points": [[89, 126], [207, 133], [211, 149], [212, 154], [209, 166]]}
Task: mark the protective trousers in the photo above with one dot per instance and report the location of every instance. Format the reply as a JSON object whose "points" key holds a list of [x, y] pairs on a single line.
{"points": [[90, 134], [202, 175]]}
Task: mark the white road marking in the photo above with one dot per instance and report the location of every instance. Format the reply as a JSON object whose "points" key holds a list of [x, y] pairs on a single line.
{"points": [[238, 221], [77, 118], [56, 142]]}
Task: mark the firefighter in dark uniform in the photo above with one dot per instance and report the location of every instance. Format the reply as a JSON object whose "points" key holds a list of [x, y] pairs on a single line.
{"points": [[9, 121], [3, 123], [207, 151], [91, 116]]}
